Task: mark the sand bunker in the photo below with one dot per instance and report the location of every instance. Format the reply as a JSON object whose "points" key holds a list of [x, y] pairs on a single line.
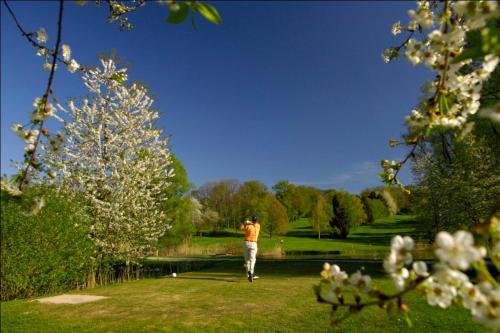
{"points": [[70, 299]]}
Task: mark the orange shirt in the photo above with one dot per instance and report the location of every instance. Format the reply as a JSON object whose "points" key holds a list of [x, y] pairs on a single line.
{"points": [[251, 231]]}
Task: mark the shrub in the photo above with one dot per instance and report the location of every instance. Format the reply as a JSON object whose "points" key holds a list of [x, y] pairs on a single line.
{"points": [[43, 253], [348, 213], [375, 208]]}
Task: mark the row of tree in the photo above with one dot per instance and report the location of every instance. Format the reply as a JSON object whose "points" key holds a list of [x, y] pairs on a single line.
{"points": [[226, 203]]}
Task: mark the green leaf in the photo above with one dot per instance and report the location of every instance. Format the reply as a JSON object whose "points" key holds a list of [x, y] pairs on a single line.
{"points": [[443, 104], [209, 12], [178, 16], [118, 78]]}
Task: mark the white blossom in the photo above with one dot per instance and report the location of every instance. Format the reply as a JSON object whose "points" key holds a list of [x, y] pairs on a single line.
{"points": [[41, 35], [48, 66], [420, 268], [73, 66], [66, 52], [457, 251], [440, 294], [397, 28]]}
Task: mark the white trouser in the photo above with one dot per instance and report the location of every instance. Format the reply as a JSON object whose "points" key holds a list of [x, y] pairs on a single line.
{"points": [[250, 251]]}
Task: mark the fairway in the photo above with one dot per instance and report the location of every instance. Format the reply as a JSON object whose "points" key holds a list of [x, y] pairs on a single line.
{"points": [[369, 241], [220, 299]]}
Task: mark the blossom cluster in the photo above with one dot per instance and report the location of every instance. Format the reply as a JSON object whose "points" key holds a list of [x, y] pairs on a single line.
{"points": [[71, 64], [445, 285], [33, 133], [454, 95]]}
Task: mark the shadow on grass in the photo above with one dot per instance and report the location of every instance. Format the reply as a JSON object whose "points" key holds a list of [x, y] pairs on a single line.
{"points": [[207, 278], [284, 269]]}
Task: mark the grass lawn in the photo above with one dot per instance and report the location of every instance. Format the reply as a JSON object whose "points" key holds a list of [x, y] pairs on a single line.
{"points": [[220, 299], [367, 241]]}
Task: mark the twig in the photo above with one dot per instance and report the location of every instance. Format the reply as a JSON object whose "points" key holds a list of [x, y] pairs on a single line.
{"points": [[48, 91]]}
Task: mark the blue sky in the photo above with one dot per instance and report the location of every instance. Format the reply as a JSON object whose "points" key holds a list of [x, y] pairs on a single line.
{"points": [[281, 90]]}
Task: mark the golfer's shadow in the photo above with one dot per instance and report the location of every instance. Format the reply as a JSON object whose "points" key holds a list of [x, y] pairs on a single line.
{"points": [[209, 278]]}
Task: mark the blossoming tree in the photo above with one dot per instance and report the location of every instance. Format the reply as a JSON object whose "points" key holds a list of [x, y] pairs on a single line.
{"points": [[460, 43], [117, 159]]}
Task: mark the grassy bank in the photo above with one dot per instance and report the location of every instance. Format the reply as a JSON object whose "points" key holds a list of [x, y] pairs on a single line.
{"points": [[220, 299], [367, 241]]}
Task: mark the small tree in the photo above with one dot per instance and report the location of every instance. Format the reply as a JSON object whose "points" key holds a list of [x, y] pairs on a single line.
{"points": [[277, 219], [340, 219], [320, 216]]}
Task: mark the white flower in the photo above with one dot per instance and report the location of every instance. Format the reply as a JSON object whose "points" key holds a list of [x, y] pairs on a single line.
{"points": [[66, 52], [360, 281], [48, 67], [396, 28], [41, 51], [73, 66], [440, 294], [41, 35], [413, 25], [413, 53], [423, 15], [336, 276], [457, 251], [7, 186], [18, 129], [29, 148], [399, 277], [420, 268], [472, 297], [488, 313]]}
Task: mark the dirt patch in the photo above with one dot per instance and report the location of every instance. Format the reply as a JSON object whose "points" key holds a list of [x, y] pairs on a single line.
{"points": [[70, 299]]}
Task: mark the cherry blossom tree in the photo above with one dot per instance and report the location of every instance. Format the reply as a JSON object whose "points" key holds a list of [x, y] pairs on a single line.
{"points": [[115, 156]]}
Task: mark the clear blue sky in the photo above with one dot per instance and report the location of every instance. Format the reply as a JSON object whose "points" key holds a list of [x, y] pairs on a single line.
{"points": [[281, 90]]}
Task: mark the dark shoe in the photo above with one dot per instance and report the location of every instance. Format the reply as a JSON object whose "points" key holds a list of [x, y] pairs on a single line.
{"points": [[250, 277]]}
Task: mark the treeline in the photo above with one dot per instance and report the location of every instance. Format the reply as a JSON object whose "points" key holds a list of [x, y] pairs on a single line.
{"points": [[226, 203]]}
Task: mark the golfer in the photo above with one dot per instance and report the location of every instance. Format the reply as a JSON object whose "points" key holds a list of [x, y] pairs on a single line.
{"points": [[251, 229]]}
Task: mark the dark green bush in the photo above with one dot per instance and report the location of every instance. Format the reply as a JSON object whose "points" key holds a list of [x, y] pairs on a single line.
{"points": [[348, 213], [43, 253]]}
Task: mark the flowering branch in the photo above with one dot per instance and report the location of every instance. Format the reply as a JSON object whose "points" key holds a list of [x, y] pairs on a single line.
{"points": [[448, 101]]}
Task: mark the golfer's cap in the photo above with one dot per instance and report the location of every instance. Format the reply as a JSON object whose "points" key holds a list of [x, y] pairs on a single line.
{"points": [[255, 218]]}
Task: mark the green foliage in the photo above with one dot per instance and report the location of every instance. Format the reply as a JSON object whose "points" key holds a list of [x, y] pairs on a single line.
{"points": [[177, 207], [375, 209], [341, 216], [277, 219], [298, 200], [321, 215], [47, 252], [179, 12], [457, 174]]}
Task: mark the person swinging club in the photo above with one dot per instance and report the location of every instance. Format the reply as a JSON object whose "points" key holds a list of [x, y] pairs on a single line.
{"points": [[251, 229]]}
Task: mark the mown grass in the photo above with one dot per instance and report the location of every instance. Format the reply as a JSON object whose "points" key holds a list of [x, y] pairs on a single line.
{"points": [[367, 241], [220, 299]]}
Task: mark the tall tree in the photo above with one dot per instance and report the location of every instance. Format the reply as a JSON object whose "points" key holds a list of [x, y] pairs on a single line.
{"points": [[118, 160]]}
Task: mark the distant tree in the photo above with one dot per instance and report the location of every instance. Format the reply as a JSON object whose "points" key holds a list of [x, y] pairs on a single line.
{"points": [[357, 212], [252, 197], [286, 193], [340, 219], [277, 219], [320, 216]]}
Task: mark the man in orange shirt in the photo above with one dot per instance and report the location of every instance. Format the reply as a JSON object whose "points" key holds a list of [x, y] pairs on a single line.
{"points": [[252, 229]]}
